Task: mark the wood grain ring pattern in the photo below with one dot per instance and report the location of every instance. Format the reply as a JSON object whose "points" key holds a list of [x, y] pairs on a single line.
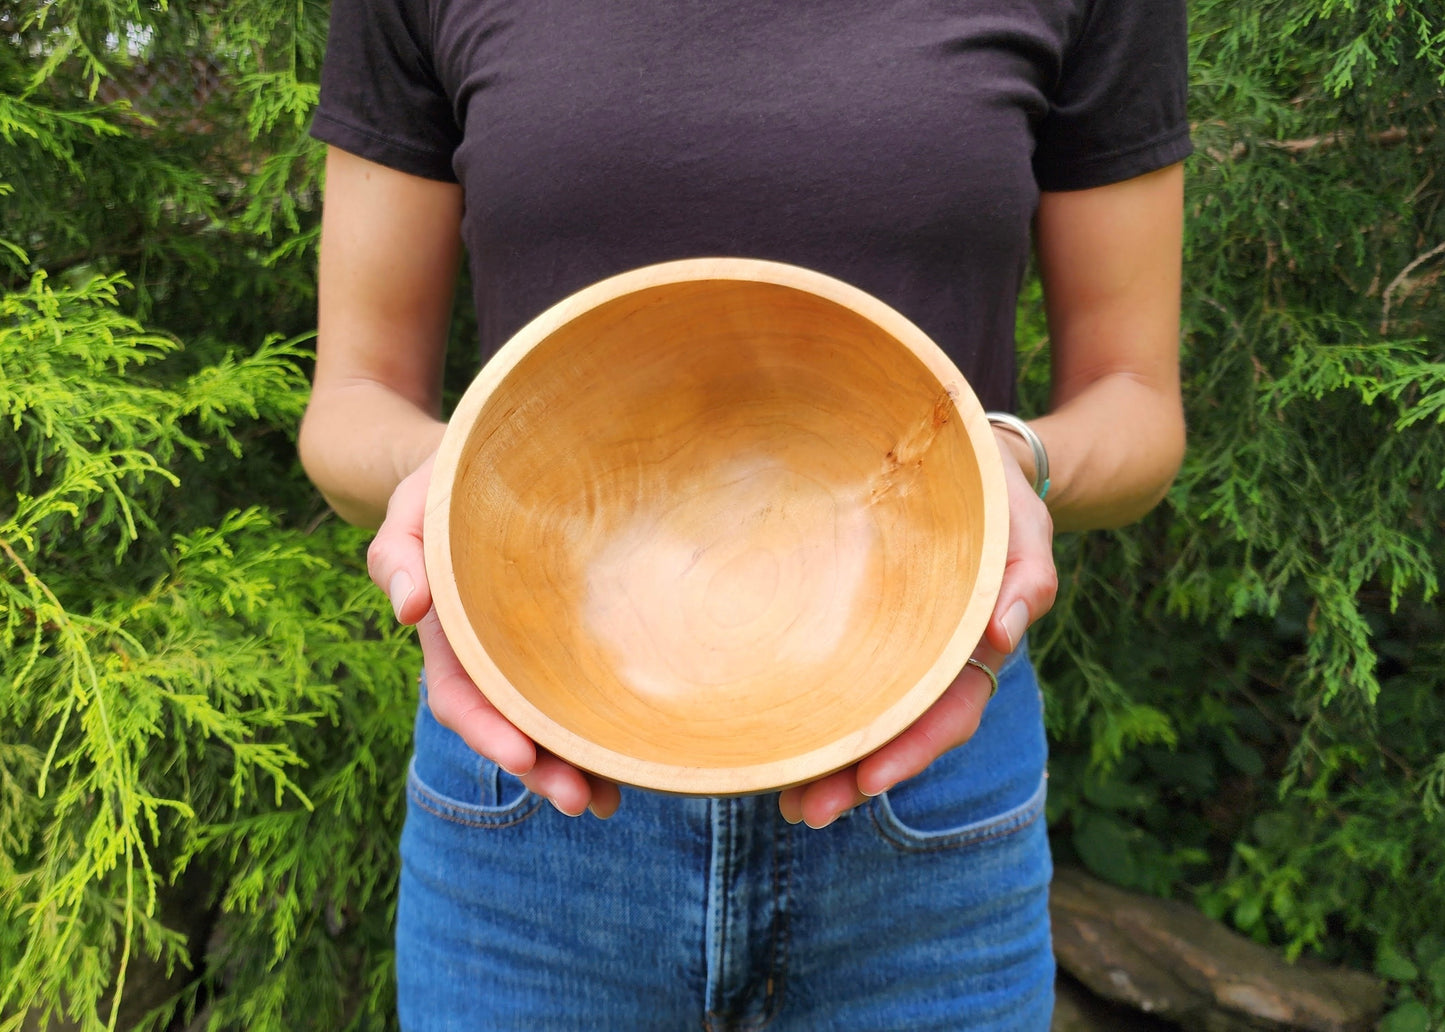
{"points": [[716, 526]]}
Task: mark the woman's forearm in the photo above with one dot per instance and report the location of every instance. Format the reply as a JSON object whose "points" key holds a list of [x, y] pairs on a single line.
{"points": [[1114, 449], [1109, 258], [358, 441], [390, 247]]}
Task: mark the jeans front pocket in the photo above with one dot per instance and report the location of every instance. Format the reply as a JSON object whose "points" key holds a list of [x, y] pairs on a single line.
{"points": [[923, 831], [988, 787], [448, 779]]}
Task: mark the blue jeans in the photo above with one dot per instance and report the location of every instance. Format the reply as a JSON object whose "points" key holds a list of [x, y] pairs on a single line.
{"points": [[925, 908]]}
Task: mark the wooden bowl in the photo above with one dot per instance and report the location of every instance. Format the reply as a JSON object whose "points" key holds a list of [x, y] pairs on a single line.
{"points": [[716, 526]]}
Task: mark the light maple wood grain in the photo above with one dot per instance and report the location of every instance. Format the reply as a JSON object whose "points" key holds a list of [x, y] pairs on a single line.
{"points": [[716, 526]]}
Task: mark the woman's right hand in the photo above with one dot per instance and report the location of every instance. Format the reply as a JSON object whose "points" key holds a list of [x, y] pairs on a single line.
{"points": [[397, 565]]}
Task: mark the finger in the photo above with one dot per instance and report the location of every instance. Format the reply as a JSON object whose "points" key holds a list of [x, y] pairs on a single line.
{"points": [[947, 724], [819, 803], [790, 804], [1030, 581], [560, 783], [396, 559], [606, 797], [459, 704]]}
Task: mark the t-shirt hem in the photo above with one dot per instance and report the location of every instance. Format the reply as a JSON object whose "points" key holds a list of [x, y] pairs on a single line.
{"points": [[382, 149], [1114, 167]]}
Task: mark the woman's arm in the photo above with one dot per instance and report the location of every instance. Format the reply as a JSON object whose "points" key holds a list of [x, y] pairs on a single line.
{"points": [[1110, 262], [1110, 259], [390, 244]]}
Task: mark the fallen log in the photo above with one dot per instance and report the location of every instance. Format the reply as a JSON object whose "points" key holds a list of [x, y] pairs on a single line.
{"points": [[1166, 958]]}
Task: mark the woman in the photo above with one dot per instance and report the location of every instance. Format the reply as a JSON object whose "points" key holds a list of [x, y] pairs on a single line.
{"points": [[907, 148]]}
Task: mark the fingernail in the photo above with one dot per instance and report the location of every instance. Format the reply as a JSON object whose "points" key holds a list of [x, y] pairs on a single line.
{"points": [[824, 824], [874, 795], [1015, 622], [399, 590], [558, 806]]}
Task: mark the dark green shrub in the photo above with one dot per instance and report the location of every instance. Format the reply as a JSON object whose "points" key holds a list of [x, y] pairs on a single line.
{"points": [[204, 708], [1246, 689]]}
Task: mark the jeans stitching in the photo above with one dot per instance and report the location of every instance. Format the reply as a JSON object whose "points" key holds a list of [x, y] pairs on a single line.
{"points": [[778, 963], [725, 924], [722, 1021], [438, 806], [723, 809], [898, 835]]}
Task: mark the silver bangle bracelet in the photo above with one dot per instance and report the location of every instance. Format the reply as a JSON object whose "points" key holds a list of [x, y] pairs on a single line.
{"points": [[1041, 458]]}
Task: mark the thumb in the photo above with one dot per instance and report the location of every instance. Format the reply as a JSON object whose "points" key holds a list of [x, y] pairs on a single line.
{"points": [[396, 559], [1030, 580]]}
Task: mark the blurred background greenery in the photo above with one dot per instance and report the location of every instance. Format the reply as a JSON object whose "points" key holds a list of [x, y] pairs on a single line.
{"points": [[204, 708]]}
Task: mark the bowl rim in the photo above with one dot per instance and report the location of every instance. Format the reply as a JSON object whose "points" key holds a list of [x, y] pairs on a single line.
{"points": [[681, 778]]}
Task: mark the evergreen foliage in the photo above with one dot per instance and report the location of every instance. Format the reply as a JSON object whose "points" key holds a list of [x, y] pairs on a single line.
{"points": [[1246, 689], [204, 707]]}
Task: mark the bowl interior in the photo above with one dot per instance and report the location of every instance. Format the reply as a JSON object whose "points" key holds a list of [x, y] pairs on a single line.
{"points": [[714, 525]]}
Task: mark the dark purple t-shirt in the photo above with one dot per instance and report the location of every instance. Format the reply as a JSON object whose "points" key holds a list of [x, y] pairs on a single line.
{"points": [[899, 146]]}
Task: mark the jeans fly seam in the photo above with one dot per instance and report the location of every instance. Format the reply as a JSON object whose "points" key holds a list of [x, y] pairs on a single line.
{"points": [[782, 911], [706, 944], [778, 959], [718, 889], [725, 925]]}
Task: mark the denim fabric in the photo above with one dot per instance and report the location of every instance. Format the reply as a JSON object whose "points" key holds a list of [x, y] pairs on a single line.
{"points": [[925, 908]]}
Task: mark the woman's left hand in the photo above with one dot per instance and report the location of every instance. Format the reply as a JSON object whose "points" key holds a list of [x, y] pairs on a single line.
{"points": [[1029, 585]]}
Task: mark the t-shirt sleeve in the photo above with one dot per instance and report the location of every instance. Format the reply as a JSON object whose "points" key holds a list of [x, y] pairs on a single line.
{"points": [[1118, 108], [380, 95]]}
